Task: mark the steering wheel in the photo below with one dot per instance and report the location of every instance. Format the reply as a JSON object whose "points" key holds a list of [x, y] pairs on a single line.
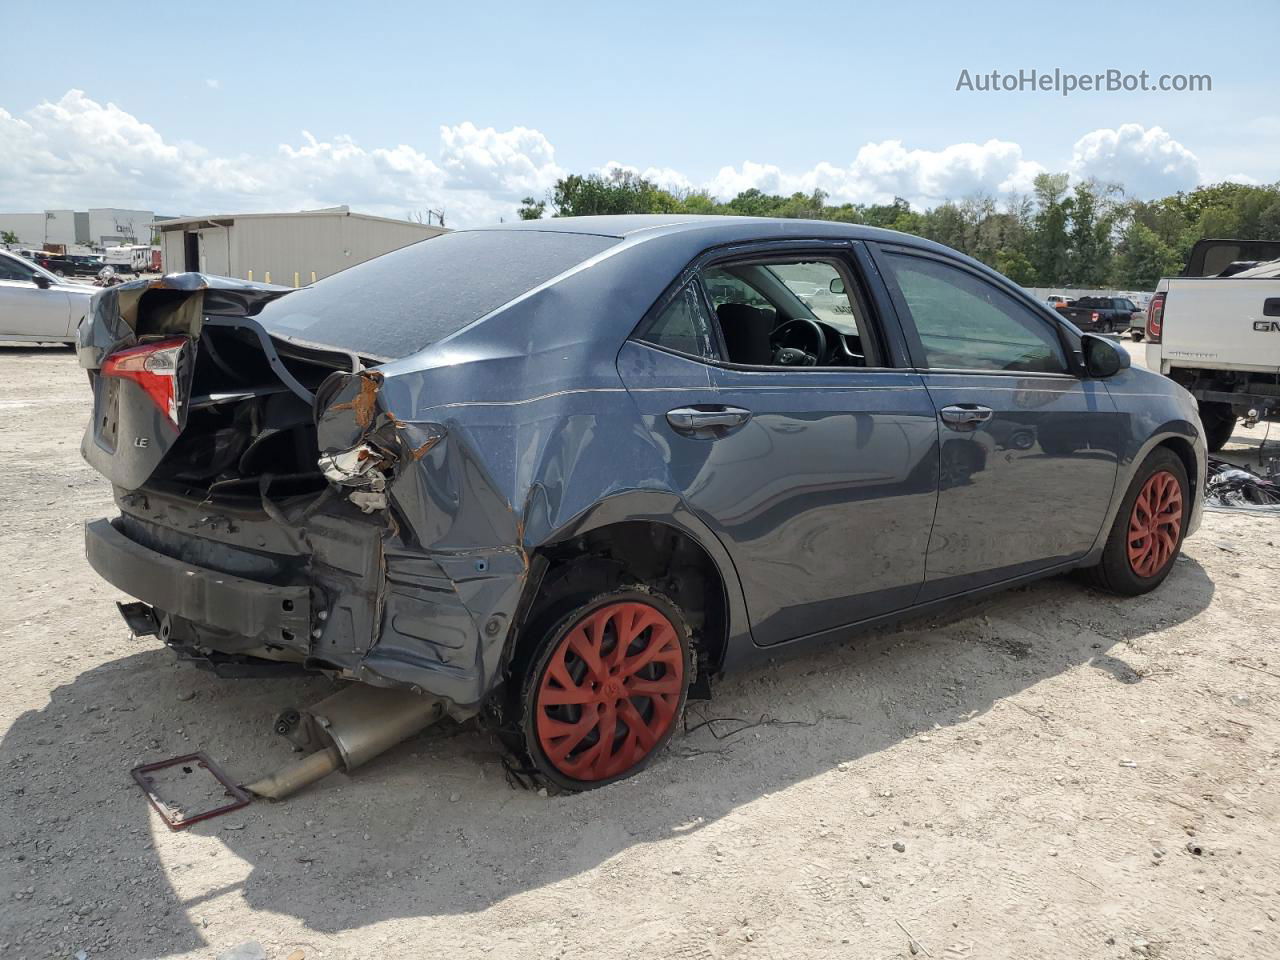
{"points": [[811, 335]]}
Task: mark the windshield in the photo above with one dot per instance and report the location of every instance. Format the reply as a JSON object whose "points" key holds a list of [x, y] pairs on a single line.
{"points": [[811, 281], [403, 301]]}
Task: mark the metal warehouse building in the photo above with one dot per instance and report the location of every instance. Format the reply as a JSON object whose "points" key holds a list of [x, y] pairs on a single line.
{"points": [[284, 248]]}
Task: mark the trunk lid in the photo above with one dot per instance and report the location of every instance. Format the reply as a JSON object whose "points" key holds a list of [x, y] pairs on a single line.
{"points": [[188, 388]]}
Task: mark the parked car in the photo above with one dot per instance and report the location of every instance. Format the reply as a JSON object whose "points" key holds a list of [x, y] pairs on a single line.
{"points": [[59, 264], [86, 265], [69, 264], [1220, 338], [1056, 300], [1102, 314], [569, 472], [38, 305]]}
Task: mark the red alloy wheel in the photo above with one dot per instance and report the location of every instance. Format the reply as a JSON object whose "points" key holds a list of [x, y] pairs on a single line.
{"points": [[609, 694], [1155, 524]]}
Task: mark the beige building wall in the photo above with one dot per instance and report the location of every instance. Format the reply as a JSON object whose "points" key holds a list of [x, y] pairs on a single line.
{"points": [[288, 246]]}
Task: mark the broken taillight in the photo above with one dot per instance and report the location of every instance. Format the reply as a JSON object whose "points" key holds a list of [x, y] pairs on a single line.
{"points": [[154, 367], [1155, 318]]}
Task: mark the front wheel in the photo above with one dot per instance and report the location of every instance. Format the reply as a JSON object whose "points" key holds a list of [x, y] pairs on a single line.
{"points": [[606, 689], [1147, 533]]}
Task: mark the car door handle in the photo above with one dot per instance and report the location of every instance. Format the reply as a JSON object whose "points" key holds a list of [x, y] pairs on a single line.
{"points": [[702, 419], [965, 416]]}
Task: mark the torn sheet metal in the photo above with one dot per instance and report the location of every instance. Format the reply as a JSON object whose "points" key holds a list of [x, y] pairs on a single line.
{"points": [[173, 304]]}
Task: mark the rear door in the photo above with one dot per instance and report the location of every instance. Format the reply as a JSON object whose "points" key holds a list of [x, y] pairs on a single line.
{"points": [[27, 310], [1029, 450], [820, 480]]}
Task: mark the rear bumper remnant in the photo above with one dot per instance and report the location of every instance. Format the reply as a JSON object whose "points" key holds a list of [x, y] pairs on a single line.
{"points": [[278, 614]]}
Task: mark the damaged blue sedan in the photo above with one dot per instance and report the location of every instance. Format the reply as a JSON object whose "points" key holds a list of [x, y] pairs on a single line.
{"points": [[566, 473]]}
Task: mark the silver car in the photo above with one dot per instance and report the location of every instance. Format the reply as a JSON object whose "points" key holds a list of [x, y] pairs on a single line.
{"points": [[37, 306]]}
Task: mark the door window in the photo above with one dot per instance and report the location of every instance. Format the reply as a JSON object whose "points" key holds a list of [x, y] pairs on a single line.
{"points": [[788, 313], [967, 323], [11, 269], [684, 326]]}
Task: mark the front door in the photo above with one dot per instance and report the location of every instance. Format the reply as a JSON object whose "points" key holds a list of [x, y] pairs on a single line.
{"points": [[1029, 450], [815, 465], [27, 310]]}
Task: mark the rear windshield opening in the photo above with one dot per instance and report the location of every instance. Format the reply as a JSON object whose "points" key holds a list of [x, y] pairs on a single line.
{"points": [[399, 303]]}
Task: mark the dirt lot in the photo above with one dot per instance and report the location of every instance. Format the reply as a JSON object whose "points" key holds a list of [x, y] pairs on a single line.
{"points": [[1044, 761]]}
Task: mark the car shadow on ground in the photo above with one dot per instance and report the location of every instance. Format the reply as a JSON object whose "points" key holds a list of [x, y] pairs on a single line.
{"points": [[432, 828]]}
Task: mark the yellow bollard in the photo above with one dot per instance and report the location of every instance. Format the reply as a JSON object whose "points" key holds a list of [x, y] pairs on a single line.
{"points": [[313, 276], [266, 277], [251, 276], [295, 279]]}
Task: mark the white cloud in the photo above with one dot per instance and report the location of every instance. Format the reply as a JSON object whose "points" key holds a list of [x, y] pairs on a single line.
{"points": [[882, 171], [77, 152], [1244, 178], [213, 83], [516, 161], [1146, 160]]}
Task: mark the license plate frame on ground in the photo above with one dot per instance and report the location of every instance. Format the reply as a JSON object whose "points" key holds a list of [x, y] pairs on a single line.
{"points": [[177, 818]]}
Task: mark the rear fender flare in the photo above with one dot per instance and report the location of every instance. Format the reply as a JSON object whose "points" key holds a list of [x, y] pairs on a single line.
{"points": [[666, 508]]}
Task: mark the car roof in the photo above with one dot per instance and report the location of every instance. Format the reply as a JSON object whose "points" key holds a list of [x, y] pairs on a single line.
{"points": [[693, 233], [709, 231], [665, 224]]}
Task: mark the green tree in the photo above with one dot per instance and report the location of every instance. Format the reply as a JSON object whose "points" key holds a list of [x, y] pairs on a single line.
{"points": [[1058, 234], [1050, 246], [1015, 265], [621, 191], [699, 201], [8, 237], [1269, 222], [1142, 258], [945, 223], [531, 209], [752, 203], [1090, 236]]}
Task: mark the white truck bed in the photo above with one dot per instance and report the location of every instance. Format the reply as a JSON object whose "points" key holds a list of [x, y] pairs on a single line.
{"points": [[1219, 323]]}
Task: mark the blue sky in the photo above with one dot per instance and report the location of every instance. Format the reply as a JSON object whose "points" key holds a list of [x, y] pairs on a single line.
{"points": [[469, 105]]}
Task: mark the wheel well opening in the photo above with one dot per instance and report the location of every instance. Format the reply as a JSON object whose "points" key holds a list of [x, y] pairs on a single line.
{"points": [[653, 554], [1187, 455]]}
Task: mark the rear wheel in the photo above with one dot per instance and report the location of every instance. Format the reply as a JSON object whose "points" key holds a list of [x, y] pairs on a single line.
{"points": [[1107, 326], [606, 688], [1135, 335], [1219, 423], [1147, 533]]}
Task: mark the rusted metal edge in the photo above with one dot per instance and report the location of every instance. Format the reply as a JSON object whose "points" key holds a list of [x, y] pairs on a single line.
{"points": [[239, 797]]}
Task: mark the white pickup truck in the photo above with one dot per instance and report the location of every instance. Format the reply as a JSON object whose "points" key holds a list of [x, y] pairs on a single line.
{"points": [[1219, 337]]}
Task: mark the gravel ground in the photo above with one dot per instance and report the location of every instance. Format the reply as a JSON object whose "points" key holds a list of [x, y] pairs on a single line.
{"points": [[1029, 777]]}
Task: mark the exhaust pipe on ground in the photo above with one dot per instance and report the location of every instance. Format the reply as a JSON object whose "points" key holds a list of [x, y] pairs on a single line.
{"points": [[344, 731]]}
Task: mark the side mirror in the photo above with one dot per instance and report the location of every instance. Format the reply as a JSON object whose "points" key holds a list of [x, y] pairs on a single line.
{"points": [[41, 281], [836, 286], [1102, 357]]}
